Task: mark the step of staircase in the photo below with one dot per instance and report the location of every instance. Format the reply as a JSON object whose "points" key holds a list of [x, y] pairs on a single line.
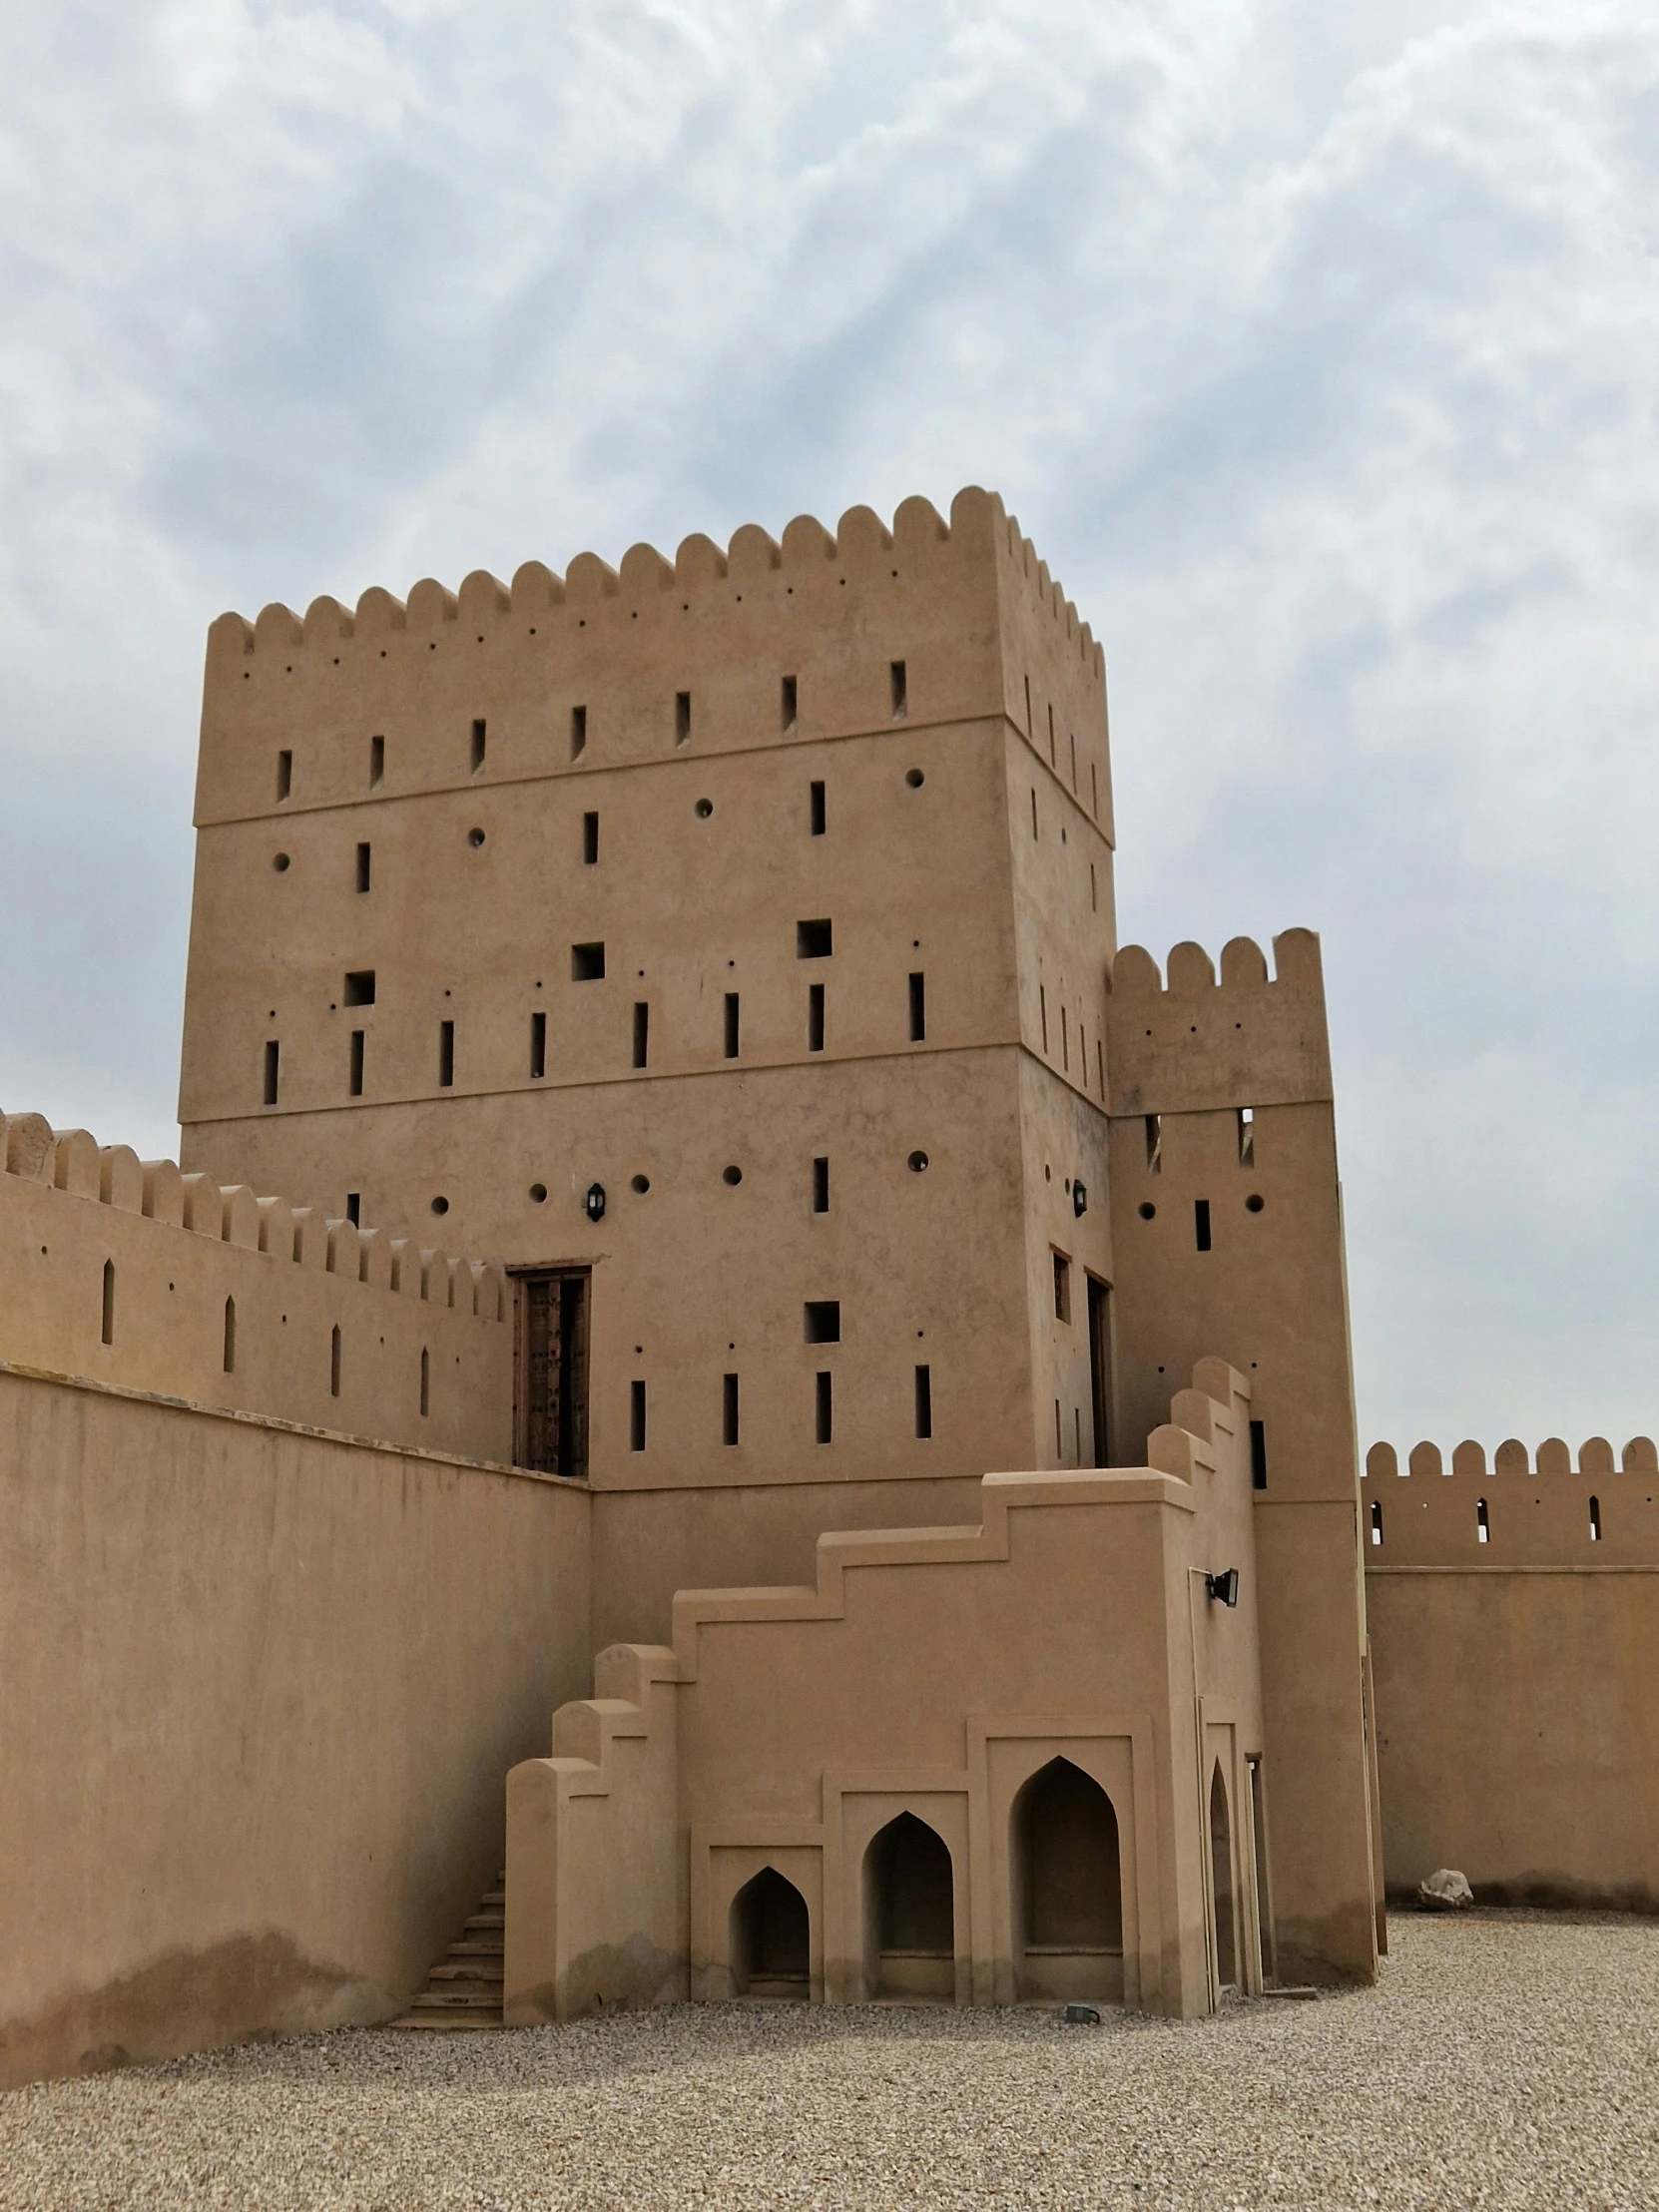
{"points": [[465, 1989]]}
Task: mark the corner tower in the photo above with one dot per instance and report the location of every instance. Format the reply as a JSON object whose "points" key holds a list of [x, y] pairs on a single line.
{"points": [[722, 946]]}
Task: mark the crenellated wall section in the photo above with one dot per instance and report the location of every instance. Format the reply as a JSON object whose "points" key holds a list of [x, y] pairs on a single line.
{"points": [[1514, 1603]]}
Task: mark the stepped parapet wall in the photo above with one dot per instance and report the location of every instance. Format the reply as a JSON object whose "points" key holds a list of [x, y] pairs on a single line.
{"points": [[816, 635], [126, 1273], [1194, 1044], [1519, 1509]]}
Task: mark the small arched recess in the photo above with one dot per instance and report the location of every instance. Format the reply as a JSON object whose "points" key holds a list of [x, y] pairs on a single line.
{"points": [[1068, 1887], [770, 1939], [909, 1914]]}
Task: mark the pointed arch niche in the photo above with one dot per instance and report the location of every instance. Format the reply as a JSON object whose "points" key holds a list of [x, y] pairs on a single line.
{"points": [[770, 1939], [909, 1914], [1065, 1858]]}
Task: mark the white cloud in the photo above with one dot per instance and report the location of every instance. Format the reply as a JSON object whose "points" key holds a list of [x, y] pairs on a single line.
{"points": [[1315, 346]]}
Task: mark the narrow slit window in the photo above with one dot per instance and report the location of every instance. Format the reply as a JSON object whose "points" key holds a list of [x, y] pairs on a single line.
{"points": [[786, 703], [682, 718], [1073, 736], [354, 1208], [924, 1401], [1052, 760], [901, 691], [230, 1336], [284, 775], [642, 1031], [273, 1069], [477, 746], [826, 1406], [109, 1303], [1482, 1523], [1247, 1136], [1062, 1286], [821, 1186], [814, 1017], [733, 1032], [589, 841], [1095, 792], [446, 1054], [363, 859], [1154, 1144], [587, 964], [1065, 1041], [1029, 732], [918, 1009], [1033, 811], [729, 1410], [1596, 1512], [356, 1076], [425, 1382], [1258, 1455], [1042, 1009], [1100, 1065], [334, 1363], [1377, 1521], [1060, 1433], [538, 1046], [1201, 1223], [578, 732], [636, 1415], [1077, 1436], [376, 759], [817, 812], [1094, 891]]}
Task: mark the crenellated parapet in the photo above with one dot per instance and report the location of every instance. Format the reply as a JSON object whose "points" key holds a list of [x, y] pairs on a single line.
{"points": [[128, 1273], [1519, 1508], [815, 634], [1198, 1043]]}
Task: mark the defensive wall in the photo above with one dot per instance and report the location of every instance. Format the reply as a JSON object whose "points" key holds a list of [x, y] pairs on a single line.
{"points": [[262, 1674], [1514, 1613]]}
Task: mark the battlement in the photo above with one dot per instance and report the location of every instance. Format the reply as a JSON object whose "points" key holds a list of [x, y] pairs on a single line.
{"points": [[1196, 1044], [129, 1273], [812, 635], [1520, 1510]]}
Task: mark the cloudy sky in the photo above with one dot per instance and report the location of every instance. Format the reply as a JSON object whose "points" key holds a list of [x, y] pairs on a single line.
{"points": [[1317, 346]]}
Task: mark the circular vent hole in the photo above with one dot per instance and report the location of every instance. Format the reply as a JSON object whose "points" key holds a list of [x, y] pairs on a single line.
{"points": [[1254, 1203], [280, 863], [916, 1162], [1147, 1209], [914, 778], [703, 809], [538, 1194], [641, 1184], [475, 837], [441, 1206], [733, 1175]]}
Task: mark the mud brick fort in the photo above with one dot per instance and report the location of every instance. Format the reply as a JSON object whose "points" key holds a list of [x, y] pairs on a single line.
{"points": [[791, 1432]]}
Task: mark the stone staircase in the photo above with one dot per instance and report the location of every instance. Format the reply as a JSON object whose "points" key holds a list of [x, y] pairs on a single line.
{"points": [[465, 1989]]}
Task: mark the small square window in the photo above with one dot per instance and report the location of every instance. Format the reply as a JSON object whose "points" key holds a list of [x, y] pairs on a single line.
{"points": [[824, 1320], [587, 964]]}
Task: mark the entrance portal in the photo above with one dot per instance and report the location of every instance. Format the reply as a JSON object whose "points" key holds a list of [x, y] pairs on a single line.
{"points": [[909, 1912], [551, 1371], [1100, 1368], [1068, 1893], [770, 1939]]}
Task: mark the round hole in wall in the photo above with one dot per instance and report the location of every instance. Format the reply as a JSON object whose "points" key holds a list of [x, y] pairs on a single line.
{"points": [[1146, 1210], [703, 809], [732, 1175], [538, 1194], [475, 837], [280, 863], [441, 1206], [1254, 1203], [914, 778], [640, 1184], [916, 1162]]}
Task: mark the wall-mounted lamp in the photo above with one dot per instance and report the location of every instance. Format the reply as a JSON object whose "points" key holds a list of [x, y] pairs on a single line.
{"points": [[595, 1202], [1223, 1587], [1079, 1199]]}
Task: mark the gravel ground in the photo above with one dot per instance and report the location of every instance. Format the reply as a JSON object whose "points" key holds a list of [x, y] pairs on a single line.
{"points": [[1505, 2059]]}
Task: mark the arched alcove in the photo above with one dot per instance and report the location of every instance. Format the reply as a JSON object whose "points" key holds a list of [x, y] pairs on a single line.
{"points": [[1068, 1887], [770, 1939], [1221, 1861], [909, 1912]]}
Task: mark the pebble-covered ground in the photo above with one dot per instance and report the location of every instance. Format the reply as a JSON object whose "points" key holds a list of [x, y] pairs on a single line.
{"points": [[1504, 2061]]}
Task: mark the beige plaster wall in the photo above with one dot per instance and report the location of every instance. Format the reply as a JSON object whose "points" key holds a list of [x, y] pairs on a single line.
{"points": [[1516, 1734], [123, 1271], [261, 1686]]}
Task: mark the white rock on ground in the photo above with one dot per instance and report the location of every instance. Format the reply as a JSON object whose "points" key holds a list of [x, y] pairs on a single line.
{"points": [[1445, 1890], [1504, 2061]]}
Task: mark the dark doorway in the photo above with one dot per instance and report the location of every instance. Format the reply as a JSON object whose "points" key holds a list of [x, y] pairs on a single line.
{"points": [[770, 1939], [1068, 1886], [1100, 1368], [1221, 1863], [910, 1915], [552, 1371]]}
